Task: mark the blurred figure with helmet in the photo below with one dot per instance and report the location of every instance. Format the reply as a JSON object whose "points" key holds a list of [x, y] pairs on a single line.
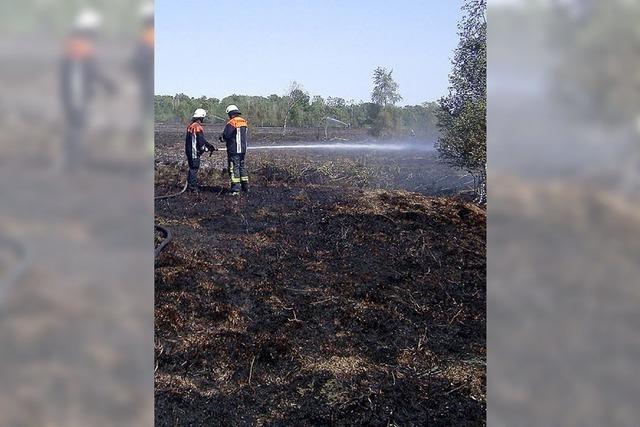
{"points": [[80, 75]]}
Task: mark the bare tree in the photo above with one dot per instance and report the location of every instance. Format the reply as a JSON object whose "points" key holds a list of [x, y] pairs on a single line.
{"points": [[295, 95]]}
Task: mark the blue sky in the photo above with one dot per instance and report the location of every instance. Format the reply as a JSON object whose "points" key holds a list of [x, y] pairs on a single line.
{"points": [[257, 47]]}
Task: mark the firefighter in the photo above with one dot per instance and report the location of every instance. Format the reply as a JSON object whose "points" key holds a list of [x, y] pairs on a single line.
{"points": [[235, 136], [80, 75], [195, 145]]}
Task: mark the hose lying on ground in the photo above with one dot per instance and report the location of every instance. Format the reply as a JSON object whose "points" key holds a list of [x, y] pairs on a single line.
{"points": [[23, 255], [167, 239], [167, 196]]}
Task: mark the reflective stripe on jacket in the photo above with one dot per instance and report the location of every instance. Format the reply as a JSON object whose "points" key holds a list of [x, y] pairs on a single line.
{"points": [[194, 141], [235, 135]]}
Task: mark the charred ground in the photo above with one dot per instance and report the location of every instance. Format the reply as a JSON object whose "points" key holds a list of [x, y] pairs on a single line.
{"points": [[320, 298]]}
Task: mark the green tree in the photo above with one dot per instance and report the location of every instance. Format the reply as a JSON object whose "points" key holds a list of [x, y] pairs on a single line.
{"points": [[385, 89], [462, 113], [316, 111], [384, 124], [337, 108], [597, 49], [296, 98], [184, 107], [596, 45], [385, 95]]}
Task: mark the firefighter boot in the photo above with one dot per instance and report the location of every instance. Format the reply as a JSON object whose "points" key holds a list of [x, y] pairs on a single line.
{"points": [[192, 180]]}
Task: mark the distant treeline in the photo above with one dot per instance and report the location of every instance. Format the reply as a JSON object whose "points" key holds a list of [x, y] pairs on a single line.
{"points": [[301, 110]]}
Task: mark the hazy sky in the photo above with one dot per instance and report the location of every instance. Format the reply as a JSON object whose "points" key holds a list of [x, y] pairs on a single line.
{"points": [[256, 47]]}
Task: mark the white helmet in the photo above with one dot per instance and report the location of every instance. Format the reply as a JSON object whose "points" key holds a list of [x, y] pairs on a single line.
{"points": [[231, 108], [146, 10], [200, 113], [88, 20]]}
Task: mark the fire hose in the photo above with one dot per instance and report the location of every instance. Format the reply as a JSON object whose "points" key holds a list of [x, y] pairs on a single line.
{"points": [[186, 184], [167, 237], [167, 196]]}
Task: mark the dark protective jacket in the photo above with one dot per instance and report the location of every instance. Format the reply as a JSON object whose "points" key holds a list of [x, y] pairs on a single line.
{"points": [[195, 143], [235, 135], [80, 75]]}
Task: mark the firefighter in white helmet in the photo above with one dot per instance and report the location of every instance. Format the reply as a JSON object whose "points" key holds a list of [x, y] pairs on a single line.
{"points": [[80, 77], [195, 145], [235, 135]]}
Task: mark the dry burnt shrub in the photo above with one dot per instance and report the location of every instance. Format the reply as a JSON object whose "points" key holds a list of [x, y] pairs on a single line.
{"points": [[311, 170]]}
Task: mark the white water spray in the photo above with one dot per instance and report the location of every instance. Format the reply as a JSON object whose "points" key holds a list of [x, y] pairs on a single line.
{"points": [[344, 146], [336, 146]]}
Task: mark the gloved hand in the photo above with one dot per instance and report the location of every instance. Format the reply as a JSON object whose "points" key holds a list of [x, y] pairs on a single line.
{"points": [[210, 148], [220, 139]]}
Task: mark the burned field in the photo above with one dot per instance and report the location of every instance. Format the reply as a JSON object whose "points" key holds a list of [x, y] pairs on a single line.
{"points": [[328, 295]]}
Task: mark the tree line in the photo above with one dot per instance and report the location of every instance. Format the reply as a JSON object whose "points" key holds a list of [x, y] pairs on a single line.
{"points": [[297, 108]]}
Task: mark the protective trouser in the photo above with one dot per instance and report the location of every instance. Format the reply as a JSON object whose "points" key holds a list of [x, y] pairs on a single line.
{"points": [[192, 178], [237, 172], [74, 144], [194, 164]]}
